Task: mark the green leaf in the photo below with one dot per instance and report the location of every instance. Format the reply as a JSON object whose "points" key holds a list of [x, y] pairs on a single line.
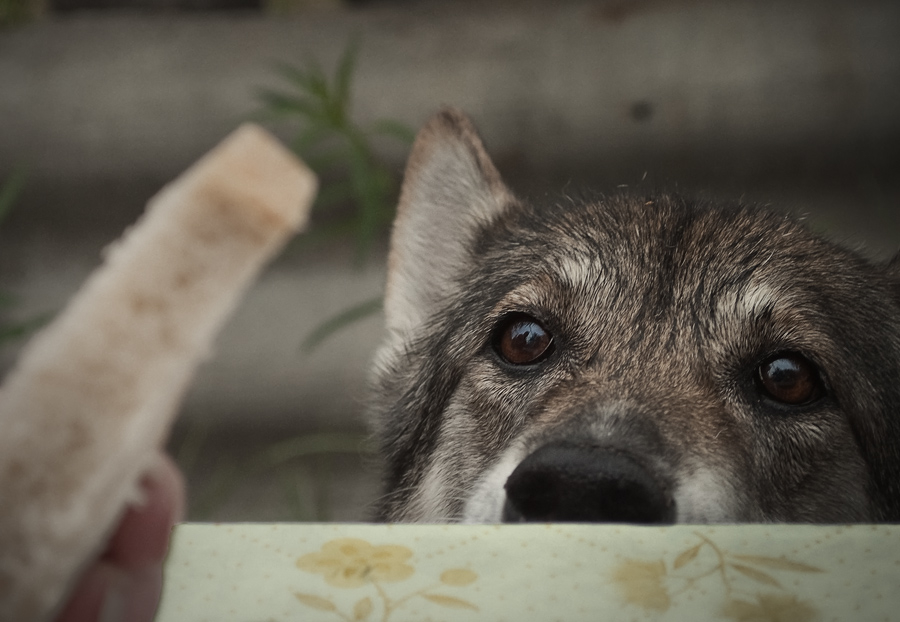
{"points": [[311, 80], [298, 77], [338, 149], [23, 329], [281, 104], [344, 74], [369, 197], [343, 319]]}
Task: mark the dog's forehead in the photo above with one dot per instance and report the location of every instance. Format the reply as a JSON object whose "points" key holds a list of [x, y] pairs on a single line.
{"points": [[667, 243]]}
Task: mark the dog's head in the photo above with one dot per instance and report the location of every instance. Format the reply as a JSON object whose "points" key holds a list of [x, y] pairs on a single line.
{"points": [[636, 359]]}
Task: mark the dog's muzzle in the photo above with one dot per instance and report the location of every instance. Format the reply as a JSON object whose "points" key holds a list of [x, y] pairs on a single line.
{"points": [[566, 482]]}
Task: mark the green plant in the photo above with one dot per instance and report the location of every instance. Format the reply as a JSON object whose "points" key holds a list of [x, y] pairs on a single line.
{"points": [[339, 149], [17, 11], [357, 197], [340, 320], [341, 152], [295, 462]]}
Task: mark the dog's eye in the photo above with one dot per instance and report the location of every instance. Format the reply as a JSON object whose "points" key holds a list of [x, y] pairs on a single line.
{"points": [[522, 340], [790, 378]]}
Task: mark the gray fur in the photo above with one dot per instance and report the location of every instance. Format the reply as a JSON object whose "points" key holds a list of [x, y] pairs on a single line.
{"points": [[661, 309]]}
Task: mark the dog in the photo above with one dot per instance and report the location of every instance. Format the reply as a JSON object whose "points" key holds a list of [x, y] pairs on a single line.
{"points": [[649, 360]]}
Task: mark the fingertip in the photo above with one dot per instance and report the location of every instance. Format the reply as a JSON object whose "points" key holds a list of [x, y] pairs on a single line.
{"points": [[91, 595], [106, 593], [165, 476], [142, 538]]}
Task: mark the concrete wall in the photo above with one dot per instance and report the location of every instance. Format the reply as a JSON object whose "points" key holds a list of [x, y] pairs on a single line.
{"points": [[559, 83], [790, 101]]}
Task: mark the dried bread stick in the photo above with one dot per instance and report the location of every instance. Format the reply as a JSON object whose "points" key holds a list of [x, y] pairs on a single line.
{"points": [[93, 395]]}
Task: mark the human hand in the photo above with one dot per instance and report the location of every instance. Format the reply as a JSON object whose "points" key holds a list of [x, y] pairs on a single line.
{"points": [[125, 583]]}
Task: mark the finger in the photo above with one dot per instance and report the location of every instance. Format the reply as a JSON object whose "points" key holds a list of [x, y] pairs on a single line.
{"points": [[142, 538], [88, 596], [108, 594], [141, 599], [127, 582]]}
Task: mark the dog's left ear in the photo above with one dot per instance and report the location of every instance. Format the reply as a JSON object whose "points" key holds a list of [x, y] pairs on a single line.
{"points": [[450, 189]]}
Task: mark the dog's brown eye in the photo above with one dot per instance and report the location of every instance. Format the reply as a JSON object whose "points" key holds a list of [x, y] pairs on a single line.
{"points": [[790, 378], [521, 340]]}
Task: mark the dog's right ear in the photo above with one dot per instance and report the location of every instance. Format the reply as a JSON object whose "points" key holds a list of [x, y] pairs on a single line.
{"points": [[450, 189]]}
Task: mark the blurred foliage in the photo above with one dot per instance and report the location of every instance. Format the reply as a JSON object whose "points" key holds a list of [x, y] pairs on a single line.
{"points": [[301, 464], [338, 148], [357, 199], [10, 191], [335, 323], [341, 152], [10, 331], [17, 11]]}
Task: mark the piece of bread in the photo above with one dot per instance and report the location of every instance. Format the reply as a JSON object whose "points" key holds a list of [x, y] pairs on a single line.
{"points": [[93, 395]]}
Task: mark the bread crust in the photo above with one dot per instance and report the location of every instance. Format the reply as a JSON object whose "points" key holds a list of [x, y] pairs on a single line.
{"points": [[93, 395]]}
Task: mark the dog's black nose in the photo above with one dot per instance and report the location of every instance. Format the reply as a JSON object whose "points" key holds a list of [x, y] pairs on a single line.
{"points": [[567, 482]]}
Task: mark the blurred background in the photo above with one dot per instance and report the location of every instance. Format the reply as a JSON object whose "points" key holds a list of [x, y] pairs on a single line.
{"points": [[793, 103]]}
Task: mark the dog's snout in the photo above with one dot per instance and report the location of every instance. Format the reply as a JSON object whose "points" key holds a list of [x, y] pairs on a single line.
{"points": [[568, 482]]}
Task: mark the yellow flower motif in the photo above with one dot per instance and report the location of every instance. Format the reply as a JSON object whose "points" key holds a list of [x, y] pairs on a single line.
{"points": [[458, 577], [350, 562], [770, 608], [642, 584]]}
